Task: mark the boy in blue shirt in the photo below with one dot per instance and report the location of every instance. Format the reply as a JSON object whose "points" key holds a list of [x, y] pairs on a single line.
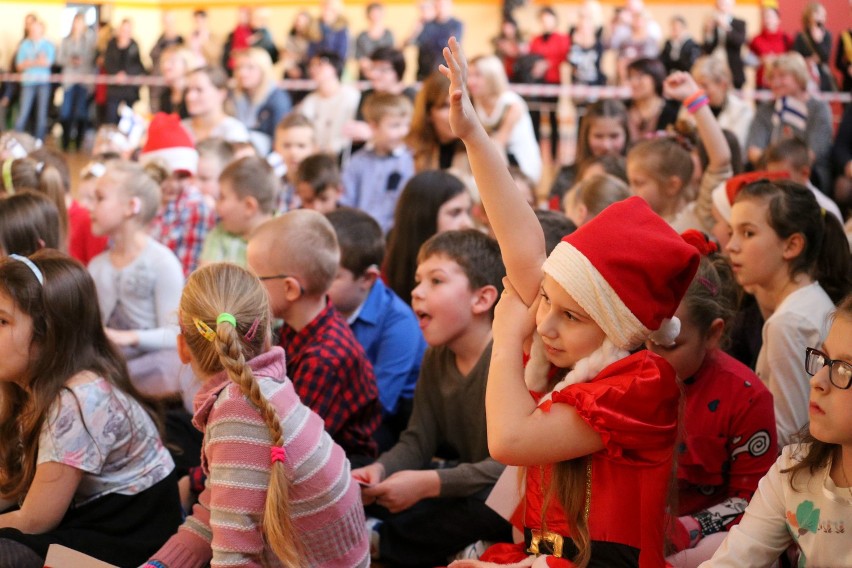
{"points": [[374, 177], [34, 58], [383, 324]]}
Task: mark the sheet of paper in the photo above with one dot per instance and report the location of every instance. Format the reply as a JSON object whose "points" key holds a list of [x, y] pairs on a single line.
{"points": [[61, 557]]}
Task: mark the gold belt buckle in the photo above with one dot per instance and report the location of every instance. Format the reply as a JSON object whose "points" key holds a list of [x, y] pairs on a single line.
{"points": [[553, 539]]}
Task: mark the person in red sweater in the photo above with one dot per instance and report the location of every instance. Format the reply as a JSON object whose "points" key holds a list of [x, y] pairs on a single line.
{"points": [[553, 48], [771, 42]]}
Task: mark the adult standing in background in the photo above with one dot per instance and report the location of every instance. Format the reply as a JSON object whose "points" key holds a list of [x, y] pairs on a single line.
{"points": [[724, 36], [330, 33], [121, 61], [771, 42], [680, 50], [434, 37], [814, 43], [509, 45], [169, 37], [843, 59], [34, 58], [587, 46], [375, 36], [552, 47], [258, 102], [202, 42], [77, 57]]}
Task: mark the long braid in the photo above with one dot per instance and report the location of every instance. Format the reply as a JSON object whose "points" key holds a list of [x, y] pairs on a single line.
{"points": [[278, 525]]}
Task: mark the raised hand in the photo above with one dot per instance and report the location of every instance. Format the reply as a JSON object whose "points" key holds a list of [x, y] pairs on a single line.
{"points": [[679, 85], [463, 119]]}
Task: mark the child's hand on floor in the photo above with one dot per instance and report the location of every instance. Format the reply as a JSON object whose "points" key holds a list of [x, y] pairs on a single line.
{"points": [[403, 489], [463, 118], [513, 320], [679, 85]]}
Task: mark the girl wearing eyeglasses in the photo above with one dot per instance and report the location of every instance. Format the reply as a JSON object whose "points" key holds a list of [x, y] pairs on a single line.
{"points": [[795, 259], [806, 498]]}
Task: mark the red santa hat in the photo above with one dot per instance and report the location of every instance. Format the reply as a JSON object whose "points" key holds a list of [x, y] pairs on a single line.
{"points": [[629, 271], [169, 142]]}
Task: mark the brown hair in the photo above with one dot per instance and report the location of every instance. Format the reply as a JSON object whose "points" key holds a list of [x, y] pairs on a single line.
{"points": [[228, 288], [598, 192], [379, 105], [819, 453], [29, 221], [604, 108], [360, 238], [220, 148], [320, 171], [218, 77], [28, 173], [713, 294], [67, 326], [303, 243], [423, 140], [662, 158], [791, 150], [253, 177], [294, 120]]}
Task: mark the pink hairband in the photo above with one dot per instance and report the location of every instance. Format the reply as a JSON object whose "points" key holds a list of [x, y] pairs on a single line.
{"points": [[277, 454]]}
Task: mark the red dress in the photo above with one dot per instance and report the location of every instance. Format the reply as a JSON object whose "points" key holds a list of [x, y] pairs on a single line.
{"points": [[633, 405]]}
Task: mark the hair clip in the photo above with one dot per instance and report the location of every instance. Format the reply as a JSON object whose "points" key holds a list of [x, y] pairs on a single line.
{"points": [[204, 330], [252, 330], [7, 176], [709, 285]]}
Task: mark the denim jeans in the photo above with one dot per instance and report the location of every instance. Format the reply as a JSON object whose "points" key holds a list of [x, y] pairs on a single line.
{"points": [[38, 95], [75, 103]]}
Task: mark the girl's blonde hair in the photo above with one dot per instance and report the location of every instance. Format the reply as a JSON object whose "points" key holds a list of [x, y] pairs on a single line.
{"points": [[597, 193], [662, 158], [227, 288], [493, 74], [261, 58], [136, 182]]}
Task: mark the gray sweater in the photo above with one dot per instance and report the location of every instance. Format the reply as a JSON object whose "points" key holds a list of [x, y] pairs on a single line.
{"points": [[449, 410], [143, 296]]}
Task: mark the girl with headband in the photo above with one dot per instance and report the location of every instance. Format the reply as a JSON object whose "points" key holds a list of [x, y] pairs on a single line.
{"points": [[81, 458], [278, 490]]}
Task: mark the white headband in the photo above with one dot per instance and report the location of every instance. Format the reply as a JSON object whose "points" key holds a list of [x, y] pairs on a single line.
{"points": [[39, 276]]}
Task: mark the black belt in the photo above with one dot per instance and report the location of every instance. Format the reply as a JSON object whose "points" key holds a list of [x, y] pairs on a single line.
{"points": [[545, 542]]}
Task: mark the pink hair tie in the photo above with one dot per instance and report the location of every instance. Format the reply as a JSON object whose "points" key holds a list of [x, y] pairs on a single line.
{"points": [[277, 454]]}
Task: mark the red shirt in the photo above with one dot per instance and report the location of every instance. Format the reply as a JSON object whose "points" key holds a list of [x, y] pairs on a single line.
{"points": [[82, 244], [729, 440], [554, 49], [766, 43]]}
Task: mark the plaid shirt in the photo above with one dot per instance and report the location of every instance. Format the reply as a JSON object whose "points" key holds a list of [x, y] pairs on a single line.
{"points": [[182, 226], [334, 378]]}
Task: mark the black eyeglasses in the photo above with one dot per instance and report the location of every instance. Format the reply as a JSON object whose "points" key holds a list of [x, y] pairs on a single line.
{"points": [[282, 277], [839, 371]]}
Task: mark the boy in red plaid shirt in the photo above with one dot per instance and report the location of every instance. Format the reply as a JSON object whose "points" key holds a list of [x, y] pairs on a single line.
{"points": [[296, 256]]}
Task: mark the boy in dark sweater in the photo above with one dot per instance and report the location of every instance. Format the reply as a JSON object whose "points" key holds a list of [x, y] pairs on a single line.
{"points": [[430, 514]]}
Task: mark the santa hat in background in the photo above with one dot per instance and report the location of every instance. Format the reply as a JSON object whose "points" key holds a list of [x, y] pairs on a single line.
{"points": [[725, 193], [169, 142], [628, 269]]}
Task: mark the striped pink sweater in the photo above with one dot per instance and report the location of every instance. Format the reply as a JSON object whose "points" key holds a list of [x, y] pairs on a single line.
{"points": [[224, 529]]}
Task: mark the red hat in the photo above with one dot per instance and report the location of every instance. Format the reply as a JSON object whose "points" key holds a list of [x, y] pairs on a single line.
{"points": [[169, 142], [628, 269]]}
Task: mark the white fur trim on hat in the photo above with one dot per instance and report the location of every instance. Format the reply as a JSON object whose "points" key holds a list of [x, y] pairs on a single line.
{"points": [[721, 203], [668, 332], [177, 158], [579, 277]]}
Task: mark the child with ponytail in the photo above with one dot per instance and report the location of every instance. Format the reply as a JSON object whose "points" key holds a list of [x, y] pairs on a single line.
{"points": [[728, 432], [592, 420], [794, 258], [279, 490]]}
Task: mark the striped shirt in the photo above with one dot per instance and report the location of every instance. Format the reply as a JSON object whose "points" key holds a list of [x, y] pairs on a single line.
{"points": [[225, 527]]}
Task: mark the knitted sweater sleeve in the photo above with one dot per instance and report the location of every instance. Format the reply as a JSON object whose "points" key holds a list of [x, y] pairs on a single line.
{"points": [[230, 510]]}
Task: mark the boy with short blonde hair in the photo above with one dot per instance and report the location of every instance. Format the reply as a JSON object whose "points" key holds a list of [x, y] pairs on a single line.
{"points": [[295, 140], [374, 177], [296, 256]]}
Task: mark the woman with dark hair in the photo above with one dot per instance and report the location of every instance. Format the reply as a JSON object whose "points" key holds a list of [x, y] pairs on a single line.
{"points": [[431, 140], [206, 92], [432, 202], [648, 111]]}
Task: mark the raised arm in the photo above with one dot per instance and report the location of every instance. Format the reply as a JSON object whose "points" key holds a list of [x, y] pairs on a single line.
{"points": [[514, 222]]}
